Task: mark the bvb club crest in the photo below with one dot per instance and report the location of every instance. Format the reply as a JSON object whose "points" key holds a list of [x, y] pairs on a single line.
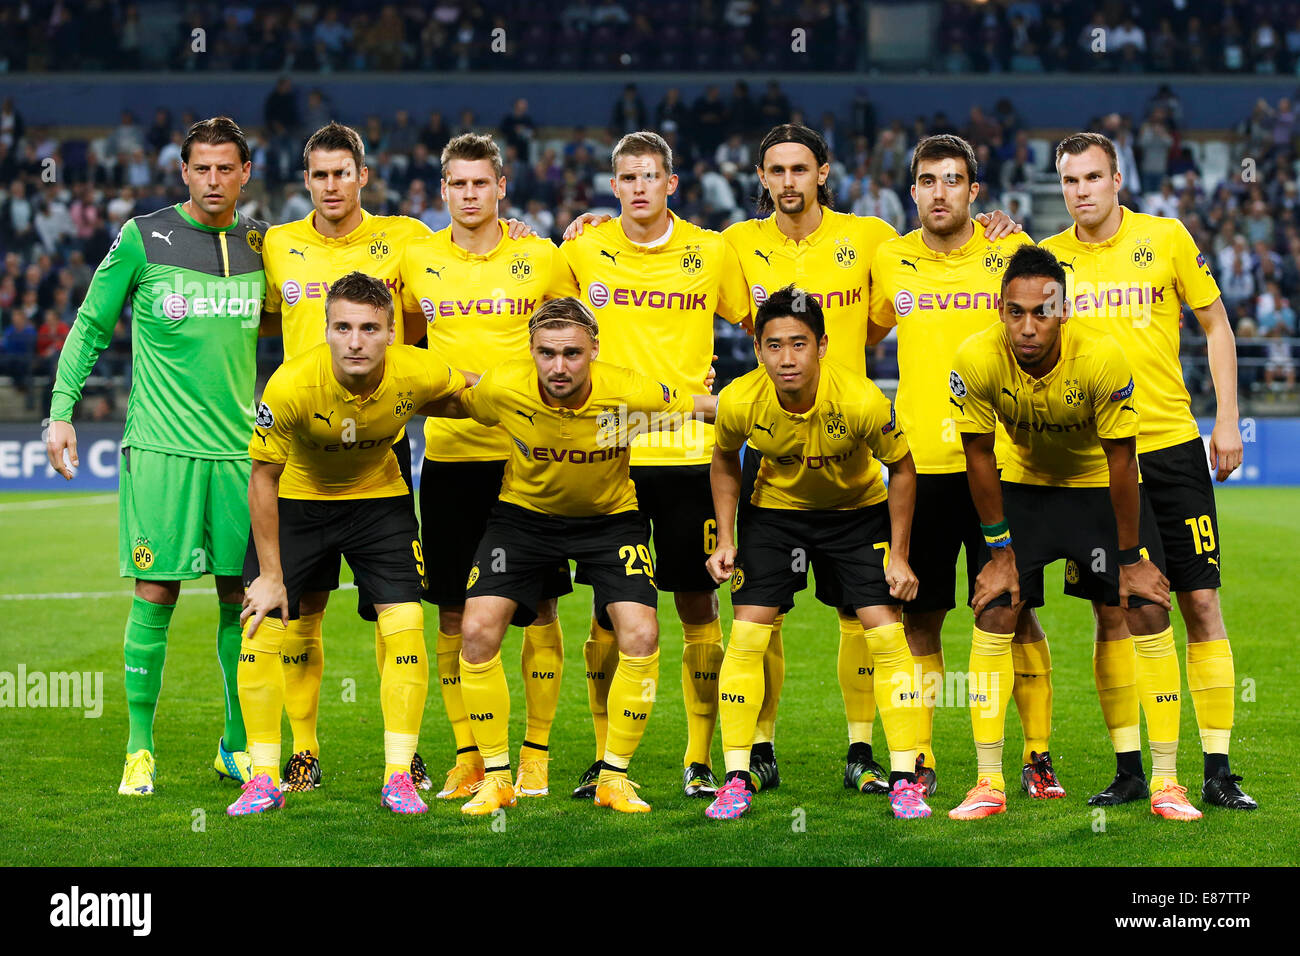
{"points": [[520, 268], [737, 580], [692, 261], [836, 427], [254, 241], [1071, 572], [379, 247], [1073, 395], [142, 554], [473, 576], [607, 425], [1143, 254], [995, 263], [845, 254]]}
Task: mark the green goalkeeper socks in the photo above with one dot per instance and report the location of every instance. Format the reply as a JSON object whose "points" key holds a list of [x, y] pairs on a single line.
{"points": [[144, 651], [228, 639]]}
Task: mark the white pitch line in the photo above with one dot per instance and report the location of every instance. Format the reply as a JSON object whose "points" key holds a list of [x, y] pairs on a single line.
{"points": [[85, 595], [68, 502]]}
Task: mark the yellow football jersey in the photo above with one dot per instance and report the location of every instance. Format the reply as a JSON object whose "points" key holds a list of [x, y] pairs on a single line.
{"points": [[1055, 423], [570, 461], [333, 444], [477, 307], [833, 264], [937, 300], [1132, 287], [655, 306], [827, 458], [300, 264]]}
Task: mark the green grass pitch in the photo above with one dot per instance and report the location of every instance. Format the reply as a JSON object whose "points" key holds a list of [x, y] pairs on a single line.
{"points": [[59, 770]]}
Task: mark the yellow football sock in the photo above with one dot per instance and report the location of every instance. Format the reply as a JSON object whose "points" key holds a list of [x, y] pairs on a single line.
{"points": [[542, 662], [261, 693], [701, 661], [381, 652], [989, 692], [487, 701], [930, 667], [447, 650], [601, 655], [1032, 689], [740, 690], [773, 682], [1114, 670], [404, 684], [1213, 682], [1159, 683], [857, 683], [631, 698], [896, 693], [302, 656]]}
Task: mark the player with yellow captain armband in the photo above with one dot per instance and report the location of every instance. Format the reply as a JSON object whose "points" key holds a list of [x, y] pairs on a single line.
{"points": [[567, 495], [1130, 275], [1069, 488], [819, 498], [325, 486], [475, 287], [938, 285]]}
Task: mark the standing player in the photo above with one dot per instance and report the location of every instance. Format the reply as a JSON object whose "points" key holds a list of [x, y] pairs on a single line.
{"points": [[325, 485], [302, 259], [1130, 275], [567, 494], [656, 281], [819, 495], [475, 287], [192, 274], [939, 284], [1070, 487]]}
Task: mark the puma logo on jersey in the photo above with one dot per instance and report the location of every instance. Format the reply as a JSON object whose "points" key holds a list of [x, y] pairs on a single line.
{"points": [[1129, 408], [323, 418], [767, 429], [1067, 265], [437, 273], [911, 264], [529, 417], [1007, 391], [610, 256], [763, 257], [960, 407], [260, 435], [158, 235], [299, 252]]}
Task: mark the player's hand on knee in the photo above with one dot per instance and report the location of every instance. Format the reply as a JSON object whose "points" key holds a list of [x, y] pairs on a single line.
{"points": [[587, 218], [1143, 579], [518, 229], [999, 576], [263, 597], [901, 580], [721, 563], [60, 436]]}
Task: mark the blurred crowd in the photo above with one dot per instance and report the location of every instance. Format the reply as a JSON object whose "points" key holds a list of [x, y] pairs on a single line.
{"points": [[986, 36], [64, 198]]}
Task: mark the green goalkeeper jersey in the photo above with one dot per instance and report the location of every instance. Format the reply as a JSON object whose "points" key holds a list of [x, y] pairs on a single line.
{"points": [[195, 294]]}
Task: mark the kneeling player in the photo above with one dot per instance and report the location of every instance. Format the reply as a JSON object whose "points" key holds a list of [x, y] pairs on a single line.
{"points": [[325, 483], [819, 496], [1070, 488], [566, 495]]}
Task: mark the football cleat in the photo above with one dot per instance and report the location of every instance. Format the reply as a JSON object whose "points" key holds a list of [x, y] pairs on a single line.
{"points": [[586, 788], [491, 793], [1171, 802], [400, 795], [260, 794], [698, 781], [618, 792], [533, 779], [462, 781], [981, 801], [137, 775], [420, 774], [301, 773], [907, 800], [732, 802], [865, 775], [763, 771], [1221, 790], [1125, 788], [1038, 779], [234, 765], [926, 775]]}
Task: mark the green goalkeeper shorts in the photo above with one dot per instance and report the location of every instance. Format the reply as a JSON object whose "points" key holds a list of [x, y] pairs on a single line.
{"points": [[181, 518]]}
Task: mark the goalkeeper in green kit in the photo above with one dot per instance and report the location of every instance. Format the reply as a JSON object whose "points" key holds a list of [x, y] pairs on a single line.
{"points": [[192, 275]]}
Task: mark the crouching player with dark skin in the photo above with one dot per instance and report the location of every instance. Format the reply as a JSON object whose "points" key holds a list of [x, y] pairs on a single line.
{"points": [[1070, 489], [823, 432], [566, 495], [325, 484]]}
